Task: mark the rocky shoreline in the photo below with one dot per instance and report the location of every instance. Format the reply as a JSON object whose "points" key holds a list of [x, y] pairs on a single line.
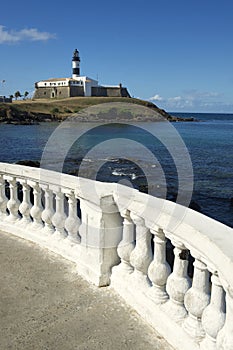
{"points": [[27, 118], [35, 112]]}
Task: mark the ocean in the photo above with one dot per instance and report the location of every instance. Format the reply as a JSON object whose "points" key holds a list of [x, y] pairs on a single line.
{"points": [[138, 156]]}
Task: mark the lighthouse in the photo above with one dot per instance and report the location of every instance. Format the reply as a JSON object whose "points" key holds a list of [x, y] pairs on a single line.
{"points": [[75, 64], [76, 86]]}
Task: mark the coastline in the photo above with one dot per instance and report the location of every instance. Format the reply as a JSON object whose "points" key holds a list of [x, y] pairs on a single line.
{"points": [[31, 112], [212, 166]]}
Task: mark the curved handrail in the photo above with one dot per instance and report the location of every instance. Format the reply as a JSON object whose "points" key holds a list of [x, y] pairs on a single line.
{"points": [[106, 228], [210, 239]]}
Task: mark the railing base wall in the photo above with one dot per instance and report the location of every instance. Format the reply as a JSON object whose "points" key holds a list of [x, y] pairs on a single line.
{"points": [[152, 313], [65, 248]]}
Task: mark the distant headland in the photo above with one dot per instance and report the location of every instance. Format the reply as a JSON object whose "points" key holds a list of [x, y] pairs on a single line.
{"points": [[46, 110], [55, 99]]}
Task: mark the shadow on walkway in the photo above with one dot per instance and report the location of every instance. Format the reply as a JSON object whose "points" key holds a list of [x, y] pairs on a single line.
{"points": [[45, 305]]}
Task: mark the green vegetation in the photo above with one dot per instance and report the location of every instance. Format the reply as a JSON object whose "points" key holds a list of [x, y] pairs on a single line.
{"points": [[17, 94], [26, 93], [67, 110], [55, 110], [74, 104], [30, 110]]}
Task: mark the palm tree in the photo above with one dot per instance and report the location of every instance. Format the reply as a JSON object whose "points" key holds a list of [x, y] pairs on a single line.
{"points": [[17, 94], [26, 94]]}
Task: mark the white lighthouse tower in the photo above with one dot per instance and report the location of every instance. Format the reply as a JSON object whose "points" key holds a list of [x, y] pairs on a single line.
{"points": [[75, 64]]}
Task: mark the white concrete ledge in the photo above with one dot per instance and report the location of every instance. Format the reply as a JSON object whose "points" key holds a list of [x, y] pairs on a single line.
{"points": [[107, 230]]}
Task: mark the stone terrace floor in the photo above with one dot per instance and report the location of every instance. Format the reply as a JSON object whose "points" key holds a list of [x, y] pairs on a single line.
{"points": [[45, 305]]}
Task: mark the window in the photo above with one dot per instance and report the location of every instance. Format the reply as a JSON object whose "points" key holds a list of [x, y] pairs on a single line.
{"points": [[45, 93]]}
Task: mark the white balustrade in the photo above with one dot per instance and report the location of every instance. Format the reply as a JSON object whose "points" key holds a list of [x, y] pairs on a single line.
{"points": [[112, 242], [126, 245], [214, 315], [25, 205], [159, 269], [59, 217], [141, 256], [3, 197], [72, 223], [13, 203], [37, 207], [48, 211], [196, 299], [178, 283], [225, 335]]}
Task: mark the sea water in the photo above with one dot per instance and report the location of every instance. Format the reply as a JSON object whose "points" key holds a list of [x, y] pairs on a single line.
{"points": [[210, 144], [128, 154]]}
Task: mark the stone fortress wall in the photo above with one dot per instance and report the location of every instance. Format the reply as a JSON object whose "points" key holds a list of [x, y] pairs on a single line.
{"points": [[58, 92], [5, 99], [75, 91], [110, 91]]}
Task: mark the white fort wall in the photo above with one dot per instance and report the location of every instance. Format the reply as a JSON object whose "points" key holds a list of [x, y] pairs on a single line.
{"points": [[118, 236], [84, 81]]}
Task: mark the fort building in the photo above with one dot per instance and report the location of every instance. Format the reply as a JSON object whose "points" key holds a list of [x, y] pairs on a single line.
{"points": [[5, 99], [77, 85]]}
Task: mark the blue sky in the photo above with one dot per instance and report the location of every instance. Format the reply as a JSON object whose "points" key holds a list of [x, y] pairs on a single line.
{"points": [[178, 54]]}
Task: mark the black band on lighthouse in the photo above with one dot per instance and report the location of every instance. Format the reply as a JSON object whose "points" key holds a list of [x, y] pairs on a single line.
{"points": [[76, 71], [76, 59]]}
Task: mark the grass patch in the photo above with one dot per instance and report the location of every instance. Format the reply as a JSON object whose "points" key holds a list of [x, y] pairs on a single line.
{"points": [[63, 108]]}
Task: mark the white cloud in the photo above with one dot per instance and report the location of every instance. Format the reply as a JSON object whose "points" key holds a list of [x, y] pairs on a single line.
{"points": [[31, 34], [194, 100], [156, 98], [176, 98], [201, 95]]}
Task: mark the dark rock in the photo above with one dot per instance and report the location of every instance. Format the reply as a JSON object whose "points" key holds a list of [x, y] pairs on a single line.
{"points": [[9, 114], [22, 122], [32, 163], [195, 206], [192, 205], [172, 118], [73, 172]]}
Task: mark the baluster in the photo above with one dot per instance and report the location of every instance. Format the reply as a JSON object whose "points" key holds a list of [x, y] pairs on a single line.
{"points": [[26, 205], [126, 245], [225, 335], [72, 223], [58, 219], [196, 299], [37, 208], [13, 203], [159, 269], [3, 197], [178, 283], [213, 317], [141, 256], [48, 211]]}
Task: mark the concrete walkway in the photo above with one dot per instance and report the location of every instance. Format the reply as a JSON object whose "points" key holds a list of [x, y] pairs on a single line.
{"points": [[45, 305]]}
